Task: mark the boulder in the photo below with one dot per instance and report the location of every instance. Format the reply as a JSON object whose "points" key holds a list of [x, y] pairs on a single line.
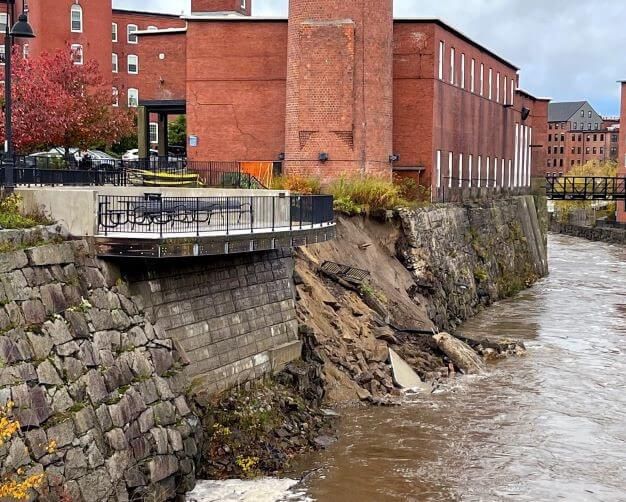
{"points": [[460, 353]]}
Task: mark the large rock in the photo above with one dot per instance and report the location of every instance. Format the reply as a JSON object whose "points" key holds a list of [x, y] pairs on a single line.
{"points": [[52, 254], [460, 353], [403, 375]]}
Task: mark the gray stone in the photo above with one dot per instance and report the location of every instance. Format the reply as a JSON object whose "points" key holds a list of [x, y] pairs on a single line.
{"points": [[5, 322], [58, 331], [53, 298], [146, 420], [159, 434], [41, 345], [75, 464], [18, 455], [67, 349], [12, 261], [162, 359], [104, 418], [62, 433], [9, 353], [47, 374], [181, 405], [147, 389], [16, 318], [163, 388], [84, 420], [102, 320], [94, 456], [96, 390], [134, 477], [118, 463], [73, 368], [78, 323], [134, 338], [95, 486], [61, 402], [175, 440], [104, 299], [31, 405], [34, 312], [37, 443], [164, 413], [140, 364], [116, 439], [162, 467], [37, 276], [51, 254], [88, 355]]}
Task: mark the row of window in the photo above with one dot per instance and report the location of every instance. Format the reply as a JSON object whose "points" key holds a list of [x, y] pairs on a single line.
{"points": [[575, 125], [614, 137], [132, 64], [131, 32], [133, 97], [504, 92], [588, 150]]}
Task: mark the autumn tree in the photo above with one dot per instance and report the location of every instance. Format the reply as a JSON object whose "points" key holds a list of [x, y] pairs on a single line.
{"points": [[57, 102]]}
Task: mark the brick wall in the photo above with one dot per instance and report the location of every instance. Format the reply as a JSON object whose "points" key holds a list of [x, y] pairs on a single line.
{"points": [[339, 87], [234, 316], [236, 73], [621, 210], [200, 6], [145, 81]]}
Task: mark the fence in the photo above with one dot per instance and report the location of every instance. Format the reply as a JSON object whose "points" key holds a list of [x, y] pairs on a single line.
{"points": [[153, 215], [559, 187]]}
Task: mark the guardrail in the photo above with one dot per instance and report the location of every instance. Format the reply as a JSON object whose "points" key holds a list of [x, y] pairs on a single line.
{"points": [[144, 172], [155, 216], [560, 187]]}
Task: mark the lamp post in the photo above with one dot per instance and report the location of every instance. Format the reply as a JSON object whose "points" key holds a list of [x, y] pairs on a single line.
{"points": [[21, 29]]}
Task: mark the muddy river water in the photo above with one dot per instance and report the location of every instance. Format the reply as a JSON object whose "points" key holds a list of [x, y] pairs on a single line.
{"points": [[551, 426]]}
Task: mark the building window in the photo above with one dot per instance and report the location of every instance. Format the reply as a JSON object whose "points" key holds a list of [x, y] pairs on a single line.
{"points": [[133, 64], [601, 137], [596, 126], [549, 163], [482, 79], [490, 93], [582, 113], [590, 114], [595, 137], [133, 98], [114, 32], [563, 137], [549, 150], [450, 161], [442, 48], [562, 150], [595, 150], [243, 4], [561, 163], [460, 170], [77, 53], [487, 174], [472, 75], [462, 71], [573, 149], [480, 162], [3, 54], [588, 150], [580, 150], [114, 62], [438, 168], [601, 150], [116, 97], [154, 132], [573, 138], [25, 51], [506, 86], [469, 171], [152, 28], [131, 32], [495, 172], [76, 17], [589, 126], [575, 125], [452, 57], [3, 22], [498, 87], [512, 92]]}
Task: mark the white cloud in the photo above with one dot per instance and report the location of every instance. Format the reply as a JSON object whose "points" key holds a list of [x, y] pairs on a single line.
{"points": [[566, 49]]}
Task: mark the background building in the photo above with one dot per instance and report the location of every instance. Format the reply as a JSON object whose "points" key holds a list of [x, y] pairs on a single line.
{"points": [[577, 134], [621, 210]]}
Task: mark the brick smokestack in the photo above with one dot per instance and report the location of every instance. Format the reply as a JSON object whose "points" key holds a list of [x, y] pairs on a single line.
{"points": [[339, 88], [621, 171], [243, 7]]}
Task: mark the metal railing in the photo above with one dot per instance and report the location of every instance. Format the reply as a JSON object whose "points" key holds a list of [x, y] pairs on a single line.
{"points": [[559, 187], [156, 171], [153, 215]]}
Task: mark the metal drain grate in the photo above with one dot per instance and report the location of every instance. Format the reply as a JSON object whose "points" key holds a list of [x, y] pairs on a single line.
{"points": [[349, 274]]}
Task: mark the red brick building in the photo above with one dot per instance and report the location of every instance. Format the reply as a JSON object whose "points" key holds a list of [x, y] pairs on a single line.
{"points": [[621, 211], [341, 88]]}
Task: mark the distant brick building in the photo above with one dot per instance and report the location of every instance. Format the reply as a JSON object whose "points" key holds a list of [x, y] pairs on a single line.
{"points": [[621, 210], [577, 134], [342, 88]]}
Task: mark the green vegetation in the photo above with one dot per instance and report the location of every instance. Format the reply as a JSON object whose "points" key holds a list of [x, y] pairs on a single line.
{"points": [[11, 216], [299, 184], [177, 131]]}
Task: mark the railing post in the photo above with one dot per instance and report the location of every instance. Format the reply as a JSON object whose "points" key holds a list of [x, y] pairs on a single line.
{"points": [[161, 217], [227, 214], [197, 216], [273, 213], [251, 216], [301, 206]]}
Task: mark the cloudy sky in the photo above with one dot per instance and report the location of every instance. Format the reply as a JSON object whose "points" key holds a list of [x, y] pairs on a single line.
{"points": [[566, 49]]}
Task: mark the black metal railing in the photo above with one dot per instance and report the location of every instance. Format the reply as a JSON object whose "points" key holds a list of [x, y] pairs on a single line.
{"points": [[154, 215], [156, 171], [559, 187]]}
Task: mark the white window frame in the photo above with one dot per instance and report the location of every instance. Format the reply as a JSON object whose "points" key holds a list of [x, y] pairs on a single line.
{"points": [[495, 172], [452, 64], [132, 92], [153, 126], [438, 168], [114, 32], [462, 71], [510, 173], [482, 79], [243, 4], [130, 33], [152, 28], [115, 63], [488, 173], [497, 87], [3, 54], [473, 75], [506, 86], [450, 162], [76, 8], [78, 49], [128, 64], [480, 166], [4, 19], [442, 52], [116, 96], [512, 91], [469, 169], [490, 95], [460, 170], [25, 51], [502, 173]]}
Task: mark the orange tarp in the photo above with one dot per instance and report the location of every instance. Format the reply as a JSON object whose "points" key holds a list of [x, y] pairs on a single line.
{"points": [[262, 171]]}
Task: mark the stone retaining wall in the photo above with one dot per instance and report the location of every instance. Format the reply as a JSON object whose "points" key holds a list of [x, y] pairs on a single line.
{"points": [[99, 391], [233, 316], [602, 234]]}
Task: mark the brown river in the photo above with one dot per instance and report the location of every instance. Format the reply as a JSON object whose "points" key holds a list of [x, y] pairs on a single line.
{"points": [[547, 427], [550, 426]]}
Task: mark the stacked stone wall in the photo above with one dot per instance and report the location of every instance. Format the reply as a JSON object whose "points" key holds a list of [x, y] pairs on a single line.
{"points": [[98, 390]]}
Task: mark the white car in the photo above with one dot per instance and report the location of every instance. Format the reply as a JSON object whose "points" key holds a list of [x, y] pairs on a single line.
{"points": [[134, 154]]}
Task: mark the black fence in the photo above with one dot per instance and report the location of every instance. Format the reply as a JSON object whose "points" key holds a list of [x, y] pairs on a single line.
{"points": [[46, 171], [559, 187], [153, 215]]}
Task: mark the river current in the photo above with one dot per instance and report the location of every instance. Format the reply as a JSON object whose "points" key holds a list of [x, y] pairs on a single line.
{"points": [[546, 427]]}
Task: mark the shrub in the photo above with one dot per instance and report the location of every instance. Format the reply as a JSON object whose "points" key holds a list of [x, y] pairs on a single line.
{"points": [[11, 217], [298, 184]]}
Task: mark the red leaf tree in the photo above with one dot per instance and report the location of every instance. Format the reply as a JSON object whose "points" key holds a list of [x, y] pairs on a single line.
{"points": [[59, 103]]}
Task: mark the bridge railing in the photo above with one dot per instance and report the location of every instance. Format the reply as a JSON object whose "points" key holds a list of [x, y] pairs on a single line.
{"points": [[153, 215], [559, 187]]}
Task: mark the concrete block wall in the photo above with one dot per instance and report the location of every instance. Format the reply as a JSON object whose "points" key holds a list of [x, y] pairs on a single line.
{"points": [[234, 317]]}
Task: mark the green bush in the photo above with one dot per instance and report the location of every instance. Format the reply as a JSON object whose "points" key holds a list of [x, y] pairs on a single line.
{"points": [[12, 218]]}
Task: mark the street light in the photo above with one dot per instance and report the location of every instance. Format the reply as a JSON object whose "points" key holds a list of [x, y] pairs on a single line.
{"points": [[21, 29]]}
